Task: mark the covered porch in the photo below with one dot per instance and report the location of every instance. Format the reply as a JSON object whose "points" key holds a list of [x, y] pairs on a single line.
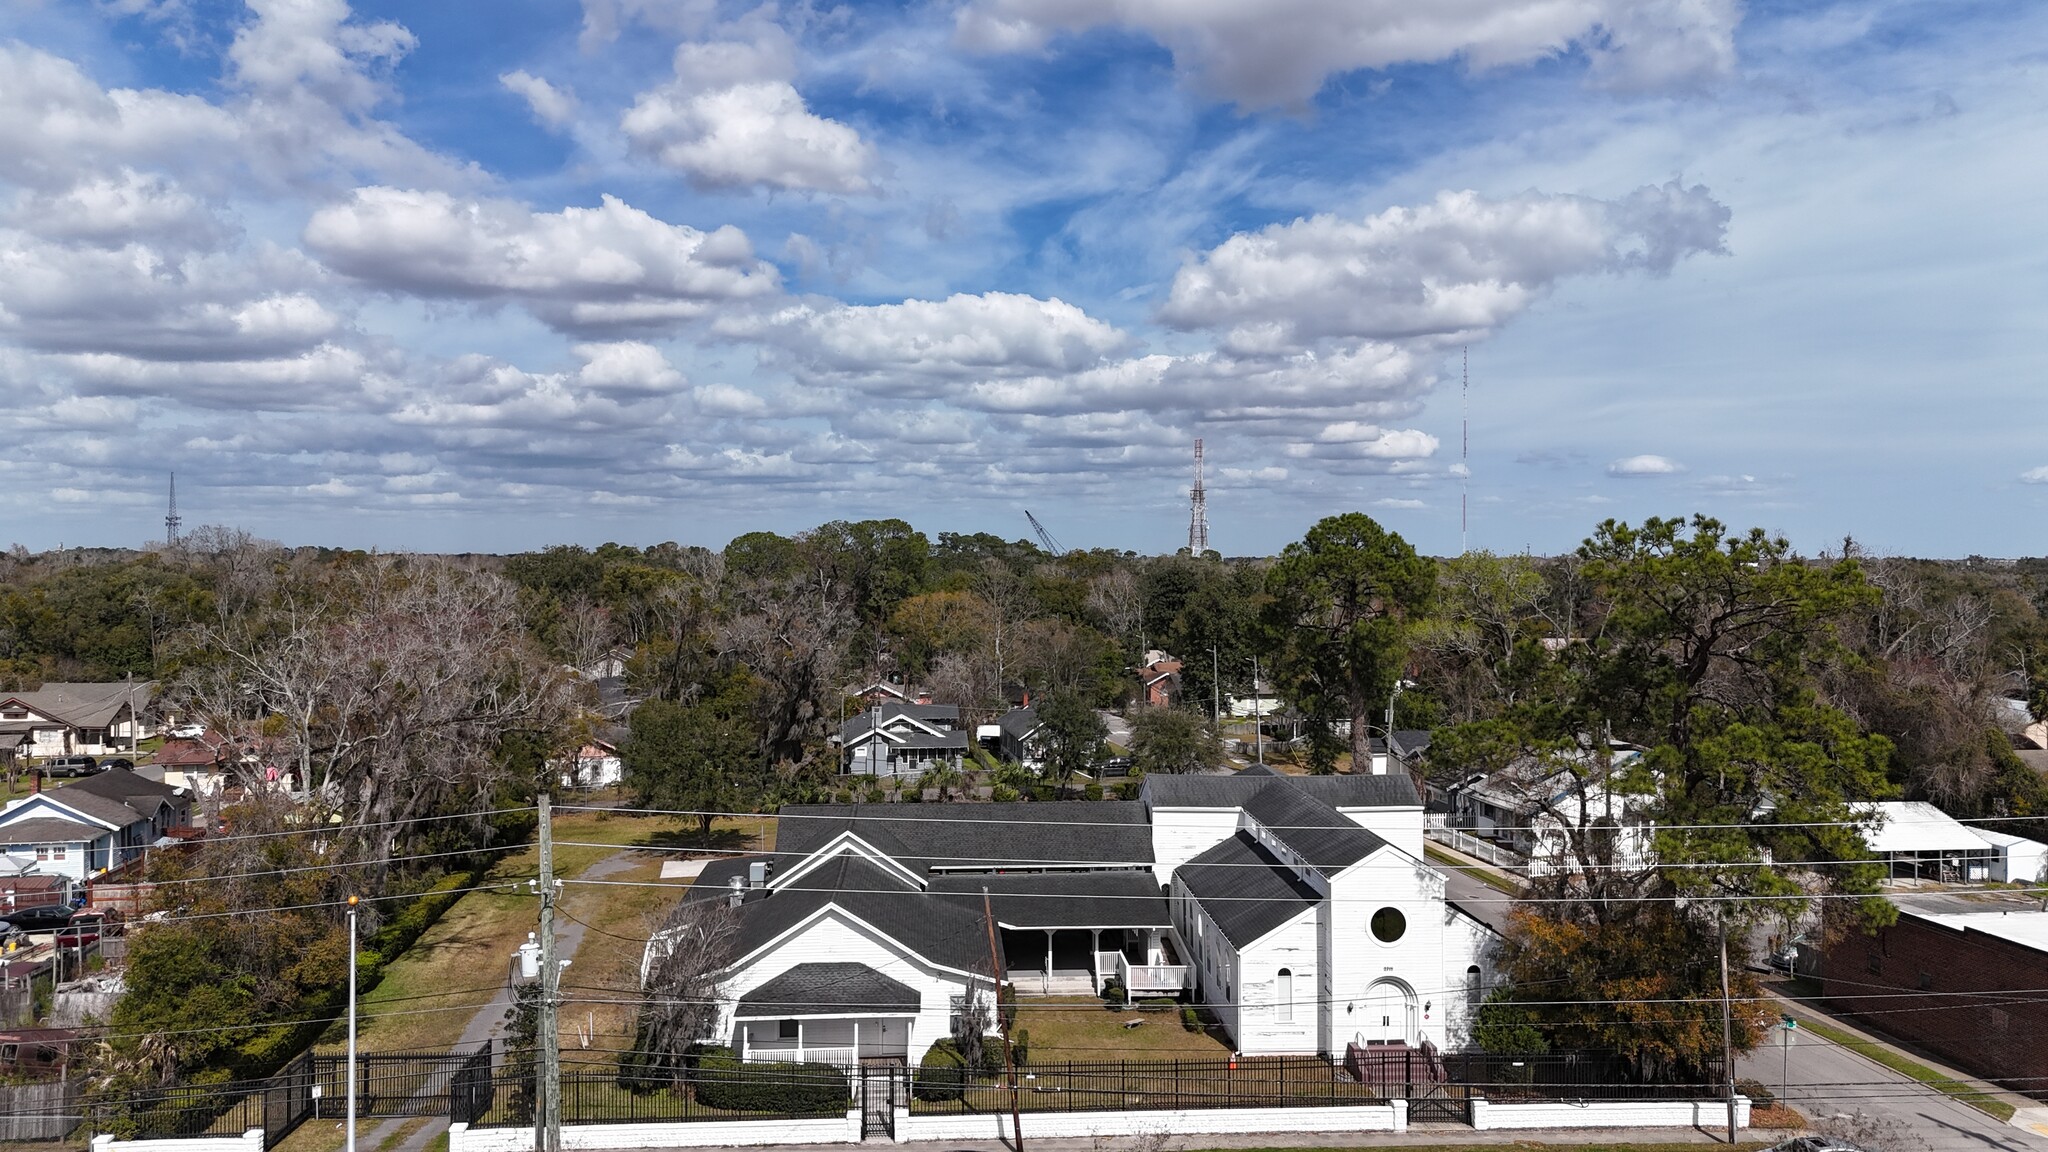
{"points": [[1067, 933], [826, 1013]]}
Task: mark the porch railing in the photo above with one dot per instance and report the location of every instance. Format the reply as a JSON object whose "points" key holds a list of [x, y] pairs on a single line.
{"points": [[1150, 977]]}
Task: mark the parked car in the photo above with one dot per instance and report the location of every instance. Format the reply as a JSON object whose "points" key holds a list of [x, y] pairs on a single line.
{"points": [[80, 932], [189, 731], [1115, 766], [70, 766], [40, 918], [116, 762]]}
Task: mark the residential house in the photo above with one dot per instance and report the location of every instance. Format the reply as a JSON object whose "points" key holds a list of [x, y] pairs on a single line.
{"points": [[94, 825], [24, 885], [901, 739], [1300, 910], [1538, 806], [1260, 700], [1916, 840], [76, 719], [1159, 680], [1943, 978], [887, 692], [595, 764], [1021, 738], [209, 764]]}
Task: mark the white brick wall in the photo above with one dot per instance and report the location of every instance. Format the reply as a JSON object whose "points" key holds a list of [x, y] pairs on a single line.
{"points": [[701, 1134], [1209, 1121], [250, 1141], [1707, 1114]]}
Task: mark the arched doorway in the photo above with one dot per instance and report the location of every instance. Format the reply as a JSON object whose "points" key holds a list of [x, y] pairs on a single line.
{"points": [[1388, 1012]]}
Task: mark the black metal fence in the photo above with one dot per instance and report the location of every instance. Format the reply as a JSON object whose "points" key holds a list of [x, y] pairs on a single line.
{"points": [[1437, 1088], [278, 1104], [593, 1094], [395, 1084]]}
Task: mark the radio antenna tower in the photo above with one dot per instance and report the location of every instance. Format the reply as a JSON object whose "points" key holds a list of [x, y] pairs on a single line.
{"points": [[1198, 516], [171, 518], [1464, 441]]}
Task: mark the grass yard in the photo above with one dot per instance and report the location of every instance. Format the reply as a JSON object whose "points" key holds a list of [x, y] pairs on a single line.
{"points": [[428, 996], [1564, 1140], [1082, 1030]]}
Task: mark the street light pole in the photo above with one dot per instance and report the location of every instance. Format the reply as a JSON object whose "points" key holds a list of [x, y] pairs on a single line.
{"points": [[350, 1144], [1258, 718], [1216, 687]]}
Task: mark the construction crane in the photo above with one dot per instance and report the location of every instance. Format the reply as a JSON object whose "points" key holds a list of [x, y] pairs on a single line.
{"points": [[1051, 545]]}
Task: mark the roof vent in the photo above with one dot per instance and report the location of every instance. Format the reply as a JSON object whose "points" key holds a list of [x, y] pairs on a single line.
{"points": [[737, 891], [757, 874]]}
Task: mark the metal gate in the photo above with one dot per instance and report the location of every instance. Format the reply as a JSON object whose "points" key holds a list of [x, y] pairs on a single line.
{"points": [[881, 1089], [1440, 1104], [393, 1086]]}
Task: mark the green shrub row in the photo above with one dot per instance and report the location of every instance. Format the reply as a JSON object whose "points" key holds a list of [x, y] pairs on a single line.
{"points": [[786, 1089]]}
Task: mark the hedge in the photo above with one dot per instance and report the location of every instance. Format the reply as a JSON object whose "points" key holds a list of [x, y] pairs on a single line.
{"points": [[942, 1074], [786, 1089]]}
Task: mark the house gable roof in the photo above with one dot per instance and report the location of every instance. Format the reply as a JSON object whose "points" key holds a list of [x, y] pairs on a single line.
{"points": [[933, 930], [126, 786], [829, 989], [1245, 890], [49, 830], [1061, 899], [1326, 839], [85, 807], [981, 837], [84, 705], [1394, 790]]}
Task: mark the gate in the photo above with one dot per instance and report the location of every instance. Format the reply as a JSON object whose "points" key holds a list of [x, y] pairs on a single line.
{"points": [[881, 1089], [472, 1089], [394, 1086]]}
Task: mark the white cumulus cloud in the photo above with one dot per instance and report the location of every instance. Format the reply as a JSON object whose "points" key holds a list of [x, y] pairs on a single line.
{"points": [[1279, 53], [2035, 475], [1644, 465], [613, 267], [925, 347], [732, 118], [1461, 264], [553, 107]]}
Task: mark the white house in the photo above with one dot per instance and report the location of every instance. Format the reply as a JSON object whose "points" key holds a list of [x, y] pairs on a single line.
{"points": [[93, 825], [1539, 809], [895, 739], [1297, 908], [76, 719], [596, 764]]}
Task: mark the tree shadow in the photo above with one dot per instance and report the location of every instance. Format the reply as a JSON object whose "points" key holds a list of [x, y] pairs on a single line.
{"points": [[688, 839]]}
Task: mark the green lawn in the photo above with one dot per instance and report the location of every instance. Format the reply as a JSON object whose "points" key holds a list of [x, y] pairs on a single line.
{"points": [[1977, 1098], [1083, 1030], [1486, 876]]}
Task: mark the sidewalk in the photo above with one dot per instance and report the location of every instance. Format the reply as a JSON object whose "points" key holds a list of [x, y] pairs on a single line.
{"points": [[1444, 1136]]}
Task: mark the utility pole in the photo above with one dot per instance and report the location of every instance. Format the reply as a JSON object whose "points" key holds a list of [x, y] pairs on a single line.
{"points": [[547, 1120], [1258, 718], [1727, 1035], [1216, 687], [995, 960], [349, 1142]]}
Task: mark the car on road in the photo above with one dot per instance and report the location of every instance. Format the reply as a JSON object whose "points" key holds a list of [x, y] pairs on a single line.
{"points": [[1114, 766], [40, 918], [70, 766], [116, 762], [189, 731]]}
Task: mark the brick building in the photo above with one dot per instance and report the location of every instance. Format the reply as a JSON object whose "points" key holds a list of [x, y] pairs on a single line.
{"points": [[1960, 965]]}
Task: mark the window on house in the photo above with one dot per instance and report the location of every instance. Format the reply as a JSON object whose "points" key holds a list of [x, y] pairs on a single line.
{"points": [[785, 1029], [57, 852], [1283, 997], [956, 1006], [42, 851], [1473, 990]]}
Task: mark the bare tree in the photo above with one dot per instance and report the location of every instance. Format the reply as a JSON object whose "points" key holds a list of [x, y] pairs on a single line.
{"points": [[1118, 601], [680, 976]]}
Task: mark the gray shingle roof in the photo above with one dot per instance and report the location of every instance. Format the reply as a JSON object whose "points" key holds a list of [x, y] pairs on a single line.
{"points": [[86, 705], [1245, 891], [1061, 899], [48, 830], [113, 812], [1018, 723], [933, 715], [936, 930], [1325, 838], [1394, 790], [979, 837], [828, 989], [125, 785]]}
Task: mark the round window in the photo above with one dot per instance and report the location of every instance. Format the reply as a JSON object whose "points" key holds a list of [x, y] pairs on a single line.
{"points": [[1388, 924]]}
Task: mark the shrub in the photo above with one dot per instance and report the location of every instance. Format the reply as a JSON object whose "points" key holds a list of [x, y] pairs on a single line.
{"points": [[786, 1089], [1157, 1004], [1004, 794], [1190, 1019], [1092, 792], [1759, 1096], [1020, 1047], [942, 1074], [1113, 995], [1006, 1007]]}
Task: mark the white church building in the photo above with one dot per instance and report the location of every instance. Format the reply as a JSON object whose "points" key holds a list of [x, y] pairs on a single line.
{"points": [[1299, 911]]}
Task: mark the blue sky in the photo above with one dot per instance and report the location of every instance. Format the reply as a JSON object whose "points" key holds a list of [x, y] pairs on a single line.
{"points": [[492, 275]]}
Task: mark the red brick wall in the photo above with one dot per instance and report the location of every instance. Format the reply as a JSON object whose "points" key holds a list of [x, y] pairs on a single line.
{"points": [[1954, 997]]}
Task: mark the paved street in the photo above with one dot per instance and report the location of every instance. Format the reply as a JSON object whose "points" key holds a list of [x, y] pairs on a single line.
{"points": [[1826, 1079]]}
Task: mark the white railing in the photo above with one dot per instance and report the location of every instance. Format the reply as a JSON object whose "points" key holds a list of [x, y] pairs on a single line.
{"points": [[839, 1056], [1150, 977], [1473, 846]]}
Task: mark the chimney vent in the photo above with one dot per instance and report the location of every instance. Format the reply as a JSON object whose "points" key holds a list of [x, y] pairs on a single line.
{"points": [[757, 874], [737, 891]]}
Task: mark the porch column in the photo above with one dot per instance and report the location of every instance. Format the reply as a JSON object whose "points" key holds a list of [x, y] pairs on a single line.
{"points": [[1095, 955], [856, 1040], [799, 1040], [1048, 961]]}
